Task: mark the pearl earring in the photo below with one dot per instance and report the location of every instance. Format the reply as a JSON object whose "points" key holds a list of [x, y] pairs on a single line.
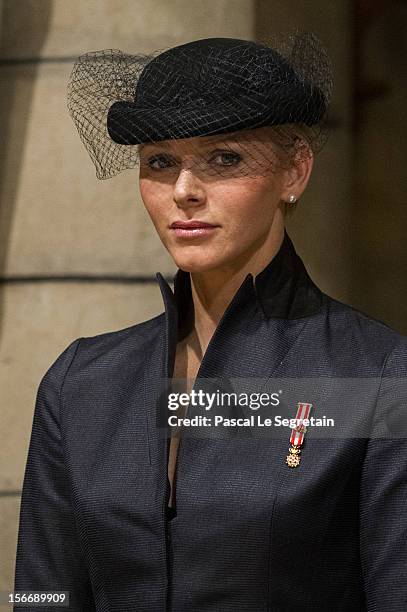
{"points": [[292, 199]]}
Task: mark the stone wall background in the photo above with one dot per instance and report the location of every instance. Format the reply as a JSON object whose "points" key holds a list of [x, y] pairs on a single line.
{"points": [[78, 255]]}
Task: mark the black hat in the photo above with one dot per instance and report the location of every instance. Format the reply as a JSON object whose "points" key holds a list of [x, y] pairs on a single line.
{"points": [[205, 87]]}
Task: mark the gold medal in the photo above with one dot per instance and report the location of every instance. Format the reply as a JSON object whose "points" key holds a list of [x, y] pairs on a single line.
{"points": [[294, 458]]}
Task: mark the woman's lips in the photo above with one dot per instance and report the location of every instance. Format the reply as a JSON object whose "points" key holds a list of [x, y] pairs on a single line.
{"points": [[192, 229]]}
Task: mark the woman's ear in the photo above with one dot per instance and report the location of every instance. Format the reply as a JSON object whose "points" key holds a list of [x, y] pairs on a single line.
{"points": [[297, 175]]}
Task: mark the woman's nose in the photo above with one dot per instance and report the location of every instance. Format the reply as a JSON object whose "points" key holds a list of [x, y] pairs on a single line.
{"points": [[188, 189]]}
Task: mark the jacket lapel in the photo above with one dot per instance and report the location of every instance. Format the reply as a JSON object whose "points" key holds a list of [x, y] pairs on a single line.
{"points": [[258, 329], [159, 366], [246, 350]]}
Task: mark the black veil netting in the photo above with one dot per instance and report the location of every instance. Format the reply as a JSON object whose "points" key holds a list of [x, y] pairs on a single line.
{"points": [[257, 104]]}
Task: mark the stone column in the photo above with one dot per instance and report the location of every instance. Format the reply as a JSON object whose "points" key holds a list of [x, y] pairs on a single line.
{"points": [[379, 281], [321, 222]]}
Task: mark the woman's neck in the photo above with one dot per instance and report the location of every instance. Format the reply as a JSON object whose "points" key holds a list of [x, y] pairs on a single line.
{"points": [[213, 290]]}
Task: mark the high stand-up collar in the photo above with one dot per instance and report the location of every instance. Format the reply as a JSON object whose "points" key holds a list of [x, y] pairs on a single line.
{"points": [[283, 289]]}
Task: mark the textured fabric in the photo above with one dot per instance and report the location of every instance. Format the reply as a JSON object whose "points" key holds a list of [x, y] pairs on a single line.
{"points": [[248, 533]]}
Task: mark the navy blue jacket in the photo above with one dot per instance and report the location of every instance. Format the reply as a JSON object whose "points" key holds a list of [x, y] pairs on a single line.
{"points": [[248, 532]]}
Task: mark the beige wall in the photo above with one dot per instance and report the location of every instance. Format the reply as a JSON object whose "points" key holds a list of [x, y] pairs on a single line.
{"points": [[56, 218]]}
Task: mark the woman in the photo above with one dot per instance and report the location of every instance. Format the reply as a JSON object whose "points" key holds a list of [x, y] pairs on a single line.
{"points": [[121, 514]]}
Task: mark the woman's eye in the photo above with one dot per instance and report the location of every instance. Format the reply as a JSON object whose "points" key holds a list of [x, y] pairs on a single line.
{"points": [[228, 158], [157, 162]]}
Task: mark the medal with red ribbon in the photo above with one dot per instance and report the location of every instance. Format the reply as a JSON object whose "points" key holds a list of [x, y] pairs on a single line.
{"points": [[293, 459]]}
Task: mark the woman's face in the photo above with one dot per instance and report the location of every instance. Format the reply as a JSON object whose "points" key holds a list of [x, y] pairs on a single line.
{"points": [[201, 180]]}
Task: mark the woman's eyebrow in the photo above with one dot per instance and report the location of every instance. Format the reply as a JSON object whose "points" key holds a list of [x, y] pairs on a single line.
{"points": [[153, 144], [208, 140], [204, 141]]}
